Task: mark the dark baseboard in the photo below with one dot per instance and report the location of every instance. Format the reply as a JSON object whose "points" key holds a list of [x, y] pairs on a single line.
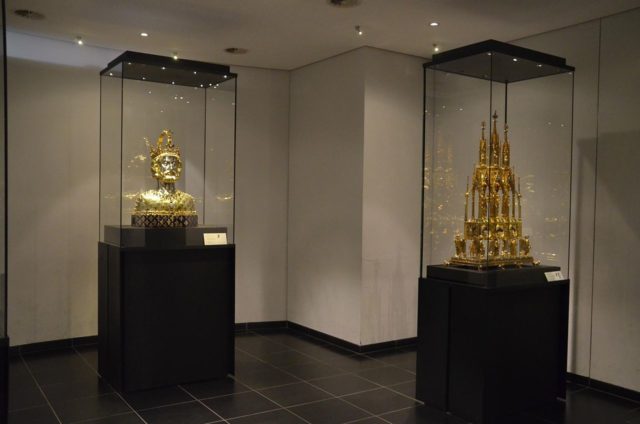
{"points": [[26, 349], [352, 346], [577, 379], [265, 325], [604, 387]]}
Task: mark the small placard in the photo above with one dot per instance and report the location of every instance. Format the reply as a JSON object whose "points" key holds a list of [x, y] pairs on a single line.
{"points": [[211, 239], [554, 276]]}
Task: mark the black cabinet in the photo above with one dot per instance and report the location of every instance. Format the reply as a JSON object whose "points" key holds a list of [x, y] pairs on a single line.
{"points": [[491, 343], [166, 315]]}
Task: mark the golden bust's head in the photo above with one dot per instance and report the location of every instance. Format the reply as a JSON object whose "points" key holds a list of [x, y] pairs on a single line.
{"points": [[166, 165]]}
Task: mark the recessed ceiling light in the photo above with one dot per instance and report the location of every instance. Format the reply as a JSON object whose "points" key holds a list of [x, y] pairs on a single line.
{"points": [[79, 41], [29, 14], [144, 34], [236, 50], [539, 65], [434, 24], [163, 68], [515, 59], [359, 30]]}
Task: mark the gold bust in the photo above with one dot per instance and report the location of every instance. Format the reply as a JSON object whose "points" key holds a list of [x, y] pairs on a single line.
{"points": [[166, 206]]}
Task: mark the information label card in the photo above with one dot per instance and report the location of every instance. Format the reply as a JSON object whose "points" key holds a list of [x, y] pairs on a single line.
{"points": [[211, 239], [554, 276]]}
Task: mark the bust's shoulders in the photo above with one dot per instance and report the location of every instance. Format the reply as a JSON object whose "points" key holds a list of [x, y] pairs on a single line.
{"points": [[149, 195]]}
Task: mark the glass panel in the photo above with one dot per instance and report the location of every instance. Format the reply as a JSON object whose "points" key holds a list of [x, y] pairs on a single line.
{"points": [[110, 153], [540, 132], [220, 145], [148, 109]]}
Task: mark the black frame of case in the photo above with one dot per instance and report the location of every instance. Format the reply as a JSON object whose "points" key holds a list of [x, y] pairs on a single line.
{"points": [[165, 326], [4, 336], [465, 361]]}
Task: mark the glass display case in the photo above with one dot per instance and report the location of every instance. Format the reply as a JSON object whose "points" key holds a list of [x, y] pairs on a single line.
{"points": [[497, 158], [167, 152]]}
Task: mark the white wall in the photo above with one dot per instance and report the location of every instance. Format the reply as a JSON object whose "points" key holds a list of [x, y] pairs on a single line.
{"points": [[326, 141], [579, 44], [53, 189], [354, 195], [261, 194], [605, 317], [615, 355], [391, 195], [53, 203]]}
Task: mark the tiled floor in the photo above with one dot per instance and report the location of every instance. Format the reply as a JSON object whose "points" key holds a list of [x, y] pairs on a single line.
{"points": [[281, 378]]}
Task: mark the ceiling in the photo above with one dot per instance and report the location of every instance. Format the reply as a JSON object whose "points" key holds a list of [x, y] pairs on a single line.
{"points": [[287, 34]]}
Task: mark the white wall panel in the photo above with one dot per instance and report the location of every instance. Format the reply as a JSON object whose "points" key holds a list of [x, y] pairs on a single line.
{"points": [[326, 141], [615, 357], [262, 149], [53, 209], [579, 45], [391, 195]]}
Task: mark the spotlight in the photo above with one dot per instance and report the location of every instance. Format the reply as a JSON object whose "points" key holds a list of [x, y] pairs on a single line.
{"points": [[175, 56], [359, 30], [79, 41], [436, 48], [434, 24], [144, 34]]}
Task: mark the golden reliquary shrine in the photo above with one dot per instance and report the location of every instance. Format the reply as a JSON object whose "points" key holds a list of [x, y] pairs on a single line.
{"points": [[493, 230]]}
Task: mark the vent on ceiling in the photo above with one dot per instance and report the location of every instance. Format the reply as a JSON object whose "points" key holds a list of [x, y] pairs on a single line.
{"points": [[236, 50], [344, 3], [29, 14]]}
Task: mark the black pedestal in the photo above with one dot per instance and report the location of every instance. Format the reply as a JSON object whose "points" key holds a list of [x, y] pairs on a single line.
{"points": [[166, 316], [492, 345], [4, 380], [128, 236]]}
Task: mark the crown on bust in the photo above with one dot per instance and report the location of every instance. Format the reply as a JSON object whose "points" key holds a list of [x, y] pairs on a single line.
{"points": [[164, 148]]}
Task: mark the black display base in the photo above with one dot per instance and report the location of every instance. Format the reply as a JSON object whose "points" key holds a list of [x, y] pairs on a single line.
{"points": [[165, 316], [128, 236], [4, 380], [494, 277], [487, 352]]}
